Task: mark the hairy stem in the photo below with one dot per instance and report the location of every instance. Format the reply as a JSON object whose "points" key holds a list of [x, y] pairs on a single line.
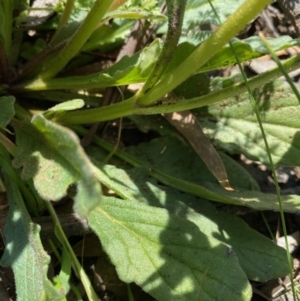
{"points": [[175, 18], [79, 269], [129, 107], [230, 28]]}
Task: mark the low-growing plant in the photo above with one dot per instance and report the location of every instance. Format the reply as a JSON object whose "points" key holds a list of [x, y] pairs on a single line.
{"points": [[153, 205]]}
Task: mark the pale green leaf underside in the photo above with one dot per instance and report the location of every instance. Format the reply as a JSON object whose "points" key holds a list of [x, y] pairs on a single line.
{"points": [[67, 106], [167, 255], [67, 145], [24, 252], [51, 174], [260, 258], [61, 108], [53, 157], [236, 129]]}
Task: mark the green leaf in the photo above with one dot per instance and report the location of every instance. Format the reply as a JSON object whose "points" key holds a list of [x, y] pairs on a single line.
{"points": [[64, 106], [67, 106], [246, 50], [147, 123], [108, 37], [134, 14], [168, 256], [128, 70], [81, 9], [62, 280], [199, 15], [29, 50], [179, 159], [24, 252], [7, 110], [52, 156], [200, 11], [238, 174], [260, 258], [178, 166], [236, 129], [135, 69], [208, 190]]}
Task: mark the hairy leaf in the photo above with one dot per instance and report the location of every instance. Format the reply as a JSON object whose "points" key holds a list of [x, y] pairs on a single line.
{"points": [[168, 256], [24, 252], [180, 160], [260, 258], [52, 156], [233, 126], [64, 106], [177, 165]]}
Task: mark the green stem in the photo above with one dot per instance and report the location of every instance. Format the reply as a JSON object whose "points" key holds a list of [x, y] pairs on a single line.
{"points": [[33, 66], [175, 18], [254, 104], [179, 184], [8, 144], [79, 270], [280, 66], [114, 111], [78, 39], [129, 107], [230, 28], [65, 17]]}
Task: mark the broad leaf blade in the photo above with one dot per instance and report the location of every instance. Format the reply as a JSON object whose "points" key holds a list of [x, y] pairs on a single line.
{"points": [[199, 12], [259, 257], [172, 160], [237, 130], [166, 255], [66, 143], [51, 174], [180, 160], [52, 155], [24, 252]]}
